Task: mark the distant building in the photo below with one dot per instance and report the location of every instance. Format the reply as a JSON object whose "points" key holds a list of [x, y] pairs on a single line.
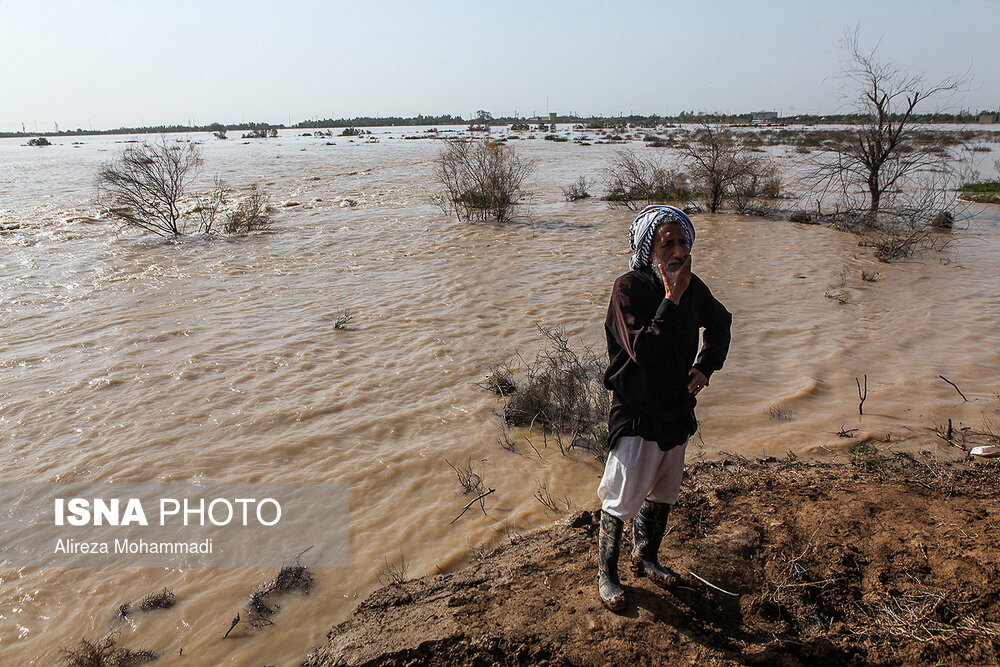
{"points": [[552, 116], [989, 118], [764, 117]]}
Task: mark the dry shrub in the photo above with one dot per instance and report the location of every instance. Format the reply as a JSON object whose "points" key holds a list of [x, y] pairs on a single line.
{"points": [[393, 574], [577, 190], [929, 616], [482, 179], [252, 212], [634, 181], [105, 653], [292, 577], [499, 379], [561, 390], [162, 600], [469, 479], [756, 189]]}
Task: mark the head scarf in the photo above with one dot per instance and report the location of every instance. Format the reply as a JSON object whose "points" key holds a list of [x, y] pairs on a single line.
{"points": [[640, 235]]}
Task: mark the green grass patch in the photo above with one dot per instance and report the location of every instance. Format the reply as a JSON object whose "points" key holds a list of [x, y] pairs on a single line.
{"points": [[988, 193]]}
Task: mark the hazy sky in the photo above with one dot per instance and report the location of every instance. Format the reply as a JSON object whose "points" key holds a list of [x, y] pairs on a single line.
{"points": [[107, 64]]}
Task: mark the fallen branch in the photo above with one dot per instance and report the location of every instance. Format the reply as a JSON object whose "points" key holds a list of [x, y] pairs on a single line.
{"points": [[862, 396], [947, 437], [955, 386], [471, 504], [235, 621]]}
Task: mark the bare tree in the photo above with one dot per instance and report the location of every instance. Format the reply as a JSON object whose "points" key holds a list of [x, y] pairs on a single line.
{"points": [[143, 185], [882, 167], [482, 178], [715, 159]]}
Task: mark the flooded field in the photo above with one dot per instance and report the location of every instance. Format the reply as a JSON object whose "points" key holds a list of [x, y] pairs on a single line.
{"points": [[130, 358]]}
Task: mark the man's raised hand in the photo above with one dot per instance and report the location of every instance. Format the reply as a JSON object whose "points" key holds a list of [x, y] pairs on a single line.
{"points": [[676, 282]]}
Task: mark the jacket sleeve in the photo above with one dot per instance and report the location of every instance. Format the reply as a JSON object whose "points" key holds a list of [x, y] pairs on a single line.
{"points": [[646, 339], [717, 322]]}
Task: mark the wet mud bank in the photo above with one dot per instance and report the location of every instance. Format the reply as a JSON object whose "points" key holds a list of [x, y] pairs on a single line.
{"points": [[895, 562]]}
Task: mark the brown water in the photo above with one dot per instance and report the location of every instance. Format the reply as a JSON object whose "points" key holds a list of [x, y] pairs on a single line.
{"points": [[131, 358]]}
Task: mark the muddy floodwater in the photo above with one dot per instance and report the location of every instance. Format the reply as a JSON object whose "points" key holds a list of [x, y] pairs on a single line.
{"points": [[128, 358]]}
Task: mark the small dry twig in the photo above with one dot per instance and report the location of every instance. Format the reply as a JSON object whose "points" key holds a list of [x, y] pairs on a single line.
{"points": [[470, 480], [473, 502], [394, 574]]}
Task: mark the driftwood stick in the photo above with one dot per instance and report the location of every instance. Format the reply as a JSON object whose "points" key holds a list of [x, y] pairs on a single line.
{"points": [[862, 396], [955, 386], [473, 502], [235, 621], [711, 585]]}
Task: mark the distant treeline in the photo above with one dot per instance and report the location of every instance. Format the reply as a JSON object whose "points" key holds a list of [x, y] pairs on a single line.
{"points": [[685, 117]]}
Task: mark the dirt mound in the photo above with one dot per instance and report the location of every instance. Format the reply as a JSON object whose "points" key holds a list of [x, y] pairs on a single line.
{"points": [[892, 564]]}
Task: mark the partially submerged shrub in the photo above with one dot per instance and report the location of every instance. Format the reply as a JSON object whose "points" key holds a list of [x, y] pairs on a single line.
{"points": [[162, 600], [261, 133], [562, 390], [252, 212], [500, 379], [482, 178], [634, 181], [393, 574], [724, 166], [757, 187], [151, 602], [469, 478], [105, 653], [40, 141], [292, 577], [576, 190]]}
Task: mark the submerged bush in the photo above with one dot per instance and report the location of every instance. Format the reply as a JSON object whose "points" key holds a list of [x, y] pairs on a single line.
{"points": [[560, 390], [252, 213], [577, 190], [634, 182], [482, 178]]}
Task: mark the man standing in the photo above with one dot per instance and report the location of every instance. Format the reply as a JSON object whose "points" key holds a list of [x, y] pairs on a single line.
{"points": [[656, 313]]}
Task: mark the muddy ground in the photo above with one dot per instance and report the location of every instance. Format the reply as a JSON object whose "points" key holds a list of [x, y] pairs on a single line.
{"points": [[891, 560]]}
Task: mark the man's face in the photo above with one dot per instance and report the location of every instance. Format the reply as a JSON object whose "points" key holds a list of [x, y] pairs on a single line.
{"points": [[670, 247]]}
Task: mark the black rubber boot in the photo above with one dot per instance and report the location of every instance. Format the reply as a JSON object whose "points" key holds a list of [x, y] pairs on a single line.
{"points": [[647, 533], [608, 547]]}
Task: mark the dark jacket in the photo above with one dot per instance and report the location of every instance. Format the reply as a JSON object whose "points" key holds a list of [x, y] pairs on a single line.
{"points": [[652, 344]]}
